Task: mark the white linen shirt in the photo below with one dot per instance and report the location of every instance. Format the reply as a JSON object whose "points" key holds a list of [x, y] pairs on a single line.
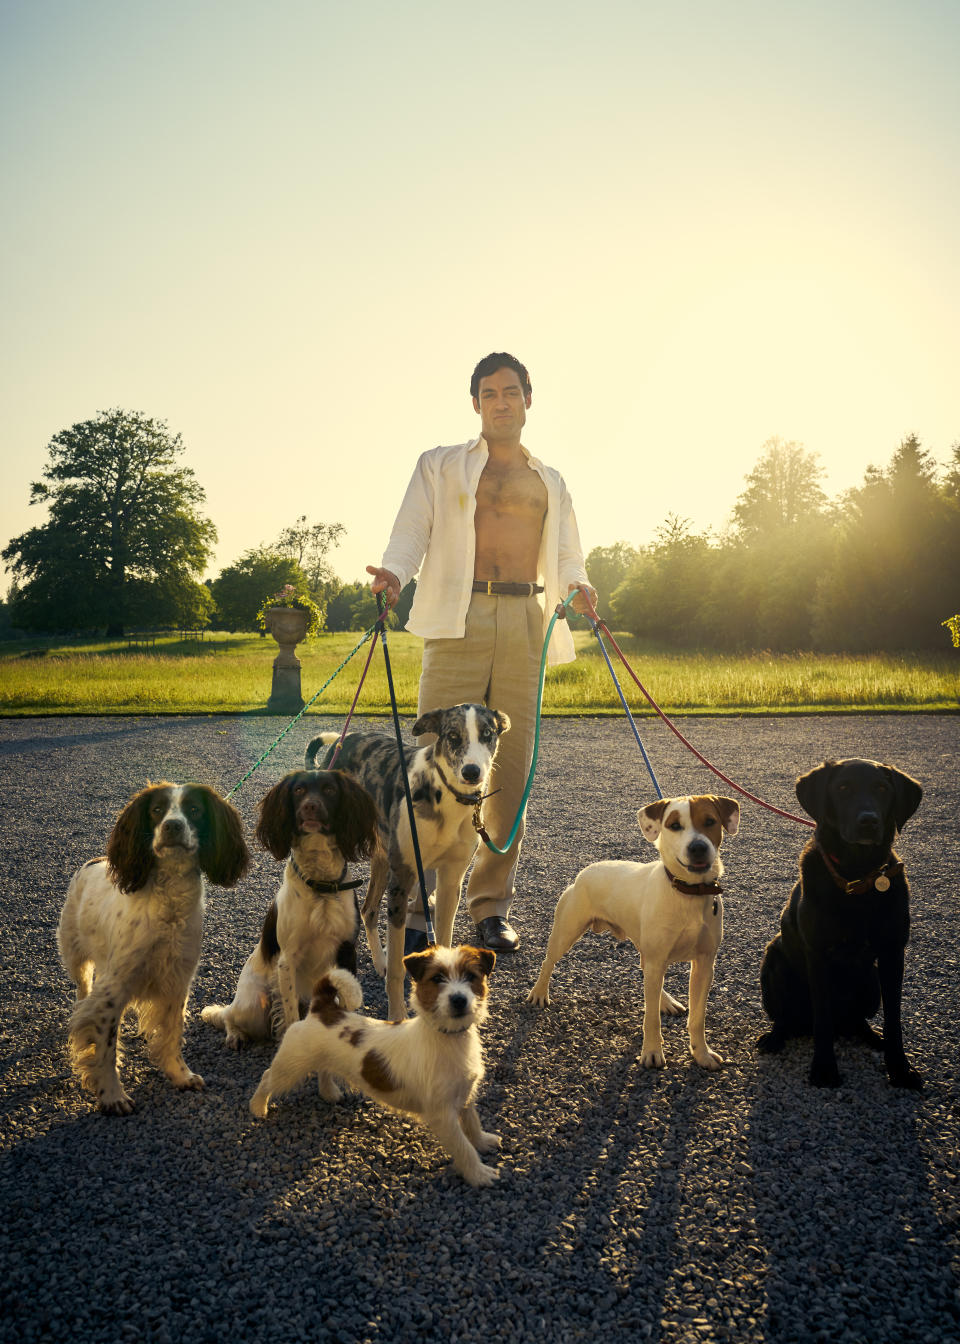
{"points": [[433, 539]]}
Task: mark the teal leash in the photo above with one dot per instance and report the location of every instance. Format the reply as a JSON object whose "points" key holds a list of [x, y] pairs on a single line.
{"points": [[260, 760]]}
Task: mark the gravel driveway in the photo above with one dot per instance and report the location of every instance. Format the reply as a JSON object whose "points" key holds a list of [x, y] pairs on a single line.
{"points": [[672, 1206]]}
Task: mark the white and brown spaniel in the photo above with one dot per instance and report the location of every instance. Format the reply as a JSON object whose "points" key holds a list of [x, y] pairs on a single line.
{"points": [[130, 929], [319, 821]]}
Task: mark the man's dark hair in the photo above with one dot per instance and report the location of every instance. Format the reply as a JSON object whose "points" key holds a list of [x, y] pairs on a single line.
{"points": [[491, 363]]}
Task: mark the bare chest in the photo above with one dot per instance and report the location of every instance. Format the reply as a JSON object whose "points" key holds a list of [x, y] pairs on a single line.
{"points": [[514, 491]]}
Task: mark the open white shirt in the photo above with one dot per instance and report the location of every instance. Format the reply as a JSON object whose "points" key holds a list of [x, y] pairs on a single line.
{"points": [[433, 539]]}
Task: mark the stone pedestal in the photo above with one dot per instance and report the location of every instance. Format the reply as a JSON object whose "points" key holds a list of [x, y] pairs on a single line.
{"points": [[288, 625]]}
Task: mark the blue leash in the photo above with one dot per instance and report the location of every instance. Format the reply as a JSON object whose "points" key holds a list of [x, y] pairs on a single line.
{"points": [[626, 708]]}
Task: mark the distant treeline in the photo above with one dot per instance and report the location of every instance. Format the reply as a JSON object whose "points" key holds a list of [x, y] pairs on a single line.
{"points": [[879, 568]]}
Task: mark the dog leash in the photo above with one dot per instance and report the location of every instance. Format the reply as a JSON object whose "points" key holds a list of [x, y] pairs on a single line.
{"points": [[297, 717], [598, 625], [381, 622]]}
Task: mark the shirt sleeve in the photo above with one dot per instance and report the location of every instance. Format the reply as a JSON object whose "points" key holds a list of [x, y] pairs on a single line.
{"points": [[413, 525], [571, 568]]}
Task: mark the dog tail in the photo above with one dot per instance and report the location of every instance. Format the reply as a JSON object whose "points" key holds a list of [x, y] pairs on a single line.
{"points": [[314, 747], [213, 1013], [337, 991]]}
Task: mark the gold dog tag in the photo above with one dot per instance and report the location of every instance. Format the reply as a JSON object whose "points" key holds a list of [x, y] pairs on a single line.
{"points": [[882, 883]]}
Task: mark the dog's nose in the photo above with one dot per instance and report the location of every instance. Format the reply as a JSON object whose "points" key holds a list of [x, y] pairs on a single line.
{"points": [[173, 828], [869, 822], [457, 1004], [471, 774], [311, 809], [698, 849]]}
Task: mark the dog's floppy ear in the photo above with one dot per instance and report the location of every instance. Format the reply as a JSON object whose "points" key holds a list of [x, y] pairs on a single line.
{"points": [[223, 855], [651, 818], [356, 820], [130, 848], [502, 721], [812, 789], [729, 810], [418, 963], [908, 794], [483, 955], [275, 829], [428, 723]]}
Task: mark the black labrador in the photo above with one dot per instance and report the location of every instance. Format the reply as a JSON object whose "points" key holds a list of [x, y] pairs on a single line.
{"points": [[839, 952]]}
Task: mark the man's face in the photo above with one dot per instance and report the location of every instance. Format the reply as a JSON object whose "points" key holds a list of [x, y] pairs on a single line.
{"points": [[502, 405]]}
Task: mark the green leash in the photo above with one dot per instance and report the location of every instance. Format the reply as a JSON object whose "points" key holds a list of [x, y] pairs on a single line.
{"points": [[560, 612], [259, 761]]}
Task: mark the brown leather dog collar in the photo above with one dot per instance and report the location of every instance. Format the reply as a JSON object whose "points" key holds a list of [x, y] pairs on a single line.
{"points": [[879, 878], [694, 888], [325, 888]]}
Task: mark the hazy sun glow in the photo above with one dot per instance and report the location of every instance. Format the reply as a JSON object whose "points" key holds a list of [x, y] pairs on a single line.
{"points": [[291, 232]]}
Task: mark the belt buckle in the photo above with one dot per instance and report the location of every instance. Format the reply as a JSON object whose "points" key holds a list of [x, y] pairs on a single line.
{"points": [[490, 592]]}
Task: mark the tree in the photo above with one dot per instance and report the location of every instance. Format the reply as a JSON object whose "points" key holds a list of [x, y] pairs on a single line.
{"points": [[675, 565], [607, 567], [308, 544], [240, 588], [782, 490], [123, 537], [895, 561]]}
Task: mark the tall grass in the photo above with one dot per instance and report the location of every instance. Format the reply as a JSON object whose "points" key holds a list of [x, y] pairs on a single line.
{"points": [[232, 673]]}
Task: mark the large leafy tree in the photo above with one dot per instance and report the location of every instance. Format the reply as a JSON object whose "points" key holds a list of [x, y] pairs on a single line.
{"points": [[783, 489], [123, 542], [309, 544], [240, 588]]}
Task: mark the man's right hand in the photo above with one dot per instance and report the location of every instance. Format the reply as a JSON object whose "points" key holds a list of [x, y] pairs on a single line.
{"points": [[384, 582]]}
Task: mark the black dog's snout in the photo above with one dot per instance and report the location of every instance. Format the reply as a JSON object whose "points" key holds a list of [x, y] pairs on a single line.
{"points": [[471, 774], [457, 1004], [869, 821]]}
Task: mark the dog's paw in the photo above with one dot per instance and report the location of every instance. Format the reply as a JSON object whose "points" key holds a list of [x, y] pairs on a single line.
{"points": [[236, 1040], [708, 1059], [671, 1006], [540, 998], [117, 1105], [906, 1077], [480, 1176], [488, 1143], [654, 1059], [258, 1105], [770, 1043], [824, 1074], [190, 1082]]}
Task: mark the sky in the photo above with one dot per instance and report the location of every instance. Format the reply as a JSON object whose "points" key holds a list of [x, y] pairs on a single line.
{"points": [[290, 230]]}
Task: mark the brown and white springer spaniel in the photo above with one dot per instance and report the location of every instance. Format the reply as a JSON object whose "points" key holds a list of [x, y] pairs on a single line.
{"points": [[131, 925], [318, 821]]}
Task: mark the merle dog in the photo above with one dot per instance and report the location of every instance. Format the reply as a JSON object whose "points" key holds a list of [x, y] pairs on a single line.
{"points": [[447, 781], [839, 952]]}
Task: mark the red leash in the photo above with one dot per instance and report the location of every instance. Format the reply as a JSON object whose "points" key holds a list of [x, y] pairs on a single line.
{"points": [[790, 816]]}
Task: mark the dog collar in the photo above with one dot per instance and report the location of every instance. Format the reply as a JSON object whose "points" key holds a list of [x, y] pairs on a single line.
{"points": [[879, 878], [326, 888], [694, 888], [467, 799]]}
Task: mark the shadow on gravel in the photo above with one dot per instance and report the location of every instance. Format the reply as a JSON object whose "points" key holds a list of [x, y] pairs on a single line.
{"points": [[95, 735], [853, 1178]]}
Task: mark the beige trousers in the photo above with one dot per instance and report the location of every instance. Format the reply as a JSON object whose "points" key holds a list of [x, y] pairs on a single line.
{"points": [[496, 663]]}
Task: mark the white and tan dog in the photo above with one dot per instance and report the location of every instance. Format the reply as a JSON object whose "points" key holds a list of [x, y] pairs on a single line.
{"points": [[670, 910], [428, 1066]]}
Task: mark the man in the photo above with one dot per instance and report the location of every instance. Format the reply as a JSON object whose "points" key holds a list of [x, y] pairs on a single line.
{"points": [[489, 528]]}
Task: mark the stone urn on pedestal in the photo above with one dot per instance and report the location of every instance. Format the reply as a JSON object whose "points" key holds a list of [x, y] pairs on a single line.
{"points": [[288, 625]]}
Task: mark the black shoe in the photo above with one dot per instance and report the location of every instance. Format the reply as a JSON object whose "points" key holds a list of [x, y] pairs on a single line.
{"points": [[414, 940], [497, 934]]}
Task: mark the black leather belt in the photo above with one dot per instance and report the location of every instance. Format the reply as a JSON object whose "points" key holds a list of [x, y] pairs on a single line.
{"points": [[493, 587]]}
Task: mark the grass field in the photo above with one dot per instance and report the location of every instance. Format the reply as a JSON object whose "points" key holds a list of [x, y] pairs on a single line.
{"points": [[231, 674]]}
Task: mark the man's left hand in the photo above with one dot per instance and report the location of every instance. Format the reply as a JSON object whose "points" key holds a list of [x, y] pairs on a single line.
{"points": [[579, 604]]}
